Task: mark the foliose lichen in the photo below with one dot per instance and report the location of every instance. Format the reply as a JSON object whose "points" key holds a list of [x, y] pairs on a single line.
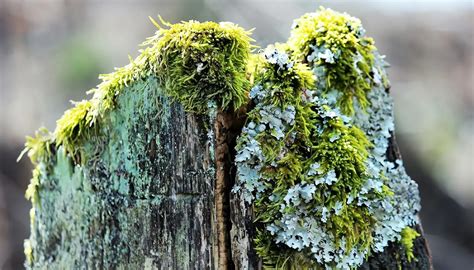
{"points": [[312, 160], [303, 168]]}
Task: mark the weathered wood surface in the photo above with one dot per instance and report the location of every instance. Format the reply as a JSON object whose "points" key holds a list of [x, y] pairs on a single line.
{"points": [[145, 202]]}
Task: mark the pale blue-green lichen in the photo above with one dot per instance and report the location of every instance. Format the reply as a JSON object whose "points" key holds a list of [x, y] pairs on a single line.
{"points": [[350, 86], [299, 164]]}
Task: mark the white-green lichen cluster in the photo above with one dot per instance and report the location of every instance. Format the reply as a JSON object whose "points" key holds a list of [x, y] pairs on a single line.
{"points": [[312, 160]]}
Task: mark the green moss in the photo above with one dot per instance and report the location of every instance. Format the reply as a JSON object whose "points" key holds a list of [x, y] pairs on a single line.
{"points": [[408, 236], [201, 62], [28, 251], [73, 127], [343, 36], [39, 151], [39, 146]]}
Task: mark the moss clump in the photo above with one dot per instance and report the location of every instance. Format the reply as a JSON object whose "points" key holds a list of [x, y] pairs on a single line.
{"points": [[38, 147], [201, 62], [335, 46], [73, 127], [408, 236], [28, 251]]}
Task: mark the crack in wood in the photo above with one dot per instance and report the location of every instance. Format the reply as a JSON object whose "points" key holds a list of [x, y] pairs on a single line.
{"points": [[227, 126]]}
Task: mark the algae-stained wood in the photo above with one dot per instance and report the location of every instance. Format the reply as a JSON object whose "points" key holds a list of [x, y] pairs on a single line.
{"points": [[144, 199]]}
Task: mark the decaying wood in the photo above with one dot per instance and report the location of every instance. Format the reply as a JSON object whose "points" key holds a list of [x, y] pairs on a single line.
{"points": [[222, 186]]}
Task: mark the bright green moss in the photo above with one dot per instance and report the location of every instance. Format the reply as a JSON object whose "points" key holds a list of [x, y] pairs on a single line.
{"points": [[335, 44], [32, 189], [72, 127], [39, 152], [408, 236], [201, 62], [28, 251], [38, 147]]}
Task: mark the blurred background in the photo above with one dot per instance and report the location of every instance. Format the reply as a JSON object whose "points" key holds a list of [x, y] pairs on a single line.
{"points": [[51, 51]]}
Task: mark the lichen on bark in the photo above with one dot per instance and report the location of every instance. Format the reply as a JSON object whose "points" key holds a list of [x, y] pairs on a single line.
{"points": [[312, 160]]}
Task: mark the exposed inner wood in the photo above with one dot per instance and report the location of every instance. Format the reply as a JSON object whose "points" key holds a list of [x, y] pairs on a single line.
{"points": [[227, 127]]}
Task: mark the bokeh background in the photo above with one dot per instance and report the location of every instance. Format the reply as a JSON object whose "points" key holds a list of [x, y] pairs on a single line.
{"points": [[51, 51]]}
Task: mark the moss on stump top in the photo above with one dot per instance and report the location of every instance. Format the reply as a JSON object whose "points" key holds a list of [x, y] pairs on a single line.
{"points": [[196, 64]]}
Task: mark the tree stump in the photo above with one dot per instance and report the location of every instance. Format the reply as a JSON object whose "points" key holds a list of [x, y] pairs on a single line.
{"points": [[150, 172]]}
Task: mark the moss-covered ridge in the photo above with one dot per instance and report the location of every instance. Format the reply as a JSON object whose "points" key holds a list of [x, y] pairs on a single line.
{"points": [[195, 63]]}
